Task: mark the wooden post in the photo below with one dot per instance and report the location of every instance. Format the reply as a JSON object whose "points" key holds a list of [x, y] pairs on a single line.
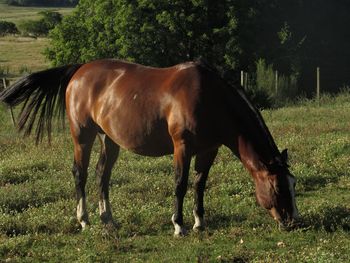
{"points": [[276, 82], [318, 84], [245, 80], [11, 111], [242, 78]]}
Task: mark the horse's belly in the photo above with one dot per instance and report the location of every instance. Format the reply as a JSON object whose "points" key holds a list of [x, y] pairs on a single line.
{"points": [[149, 141]]}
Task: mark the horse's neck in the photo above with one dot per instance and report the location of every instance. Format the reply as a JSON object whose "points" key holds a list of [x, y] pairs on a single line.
{"points": [[250, 157]]}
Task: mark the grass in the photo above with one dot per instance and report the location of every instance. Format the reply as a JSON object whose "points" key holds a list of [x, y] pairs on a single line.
{"points": [[17, 14], [37, 206], [20, 55]]}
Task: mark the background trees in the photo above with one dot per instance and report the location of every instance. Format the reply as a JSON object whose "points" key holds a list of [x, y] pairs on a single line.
{"points": [[293, 36], [42, 26], [7, 28]]}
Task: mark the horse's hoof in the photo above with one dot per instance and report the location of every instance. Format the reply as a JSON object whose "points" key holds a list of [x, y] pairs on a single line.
{"points": [[198, 229], [180, 233], [111, 224], [84, 225]]}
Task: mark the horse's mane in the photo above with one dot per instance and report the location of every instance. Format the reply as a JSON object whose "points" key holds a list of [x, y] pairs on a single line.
{"points": [[253, 126]]}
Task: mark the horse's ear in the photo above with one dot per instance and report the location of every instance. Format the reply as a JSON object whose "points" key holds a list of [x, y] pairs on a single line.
{"points": [[284, 156]]}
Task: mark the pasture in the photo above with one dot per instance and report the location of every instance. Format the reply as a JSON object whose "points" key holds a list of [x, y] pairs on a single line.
{"points": [[20, 54], [17, 14], [37, 219], [37, 196]]}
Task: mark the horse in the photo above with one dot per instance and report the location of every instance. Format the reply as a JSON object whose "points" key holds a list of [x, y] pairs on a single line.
{"points": [[187, 110]]}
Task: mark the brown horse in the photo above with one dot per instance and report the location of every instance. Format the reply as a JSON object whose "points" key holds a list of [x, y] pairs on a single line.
{"points": [[186, 110]]}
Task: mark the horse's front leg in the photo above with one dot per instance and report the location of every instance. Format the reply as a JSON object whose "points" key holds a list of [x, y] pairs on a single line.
{"points": [[182, 159], [108, 156], [202, 165]]}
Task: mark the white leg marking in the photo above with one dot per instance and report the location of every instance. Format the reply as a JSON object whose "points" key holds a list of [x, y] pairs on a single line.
{"points": [[82, 214], [199, 223], [105, 211], [104, 207], [179, 230]]}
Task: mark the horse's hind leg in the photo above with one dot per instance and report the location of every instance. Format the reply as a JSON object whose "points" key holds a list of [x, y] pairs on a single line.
{"points": [[83, 139], [108, 156], [202, 165]]}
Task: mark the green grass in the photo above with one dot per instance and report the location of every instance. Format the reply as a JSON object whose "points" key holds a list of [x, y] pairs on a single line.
{"points": [[21, 54], [17, 14], [18, 54], [37, 206]]}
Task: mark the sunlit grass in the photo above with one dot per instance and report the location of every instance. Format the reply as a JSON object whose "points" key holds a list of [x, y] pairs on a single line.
{"points": [[19, 55], [37, 219], [17, 14]]}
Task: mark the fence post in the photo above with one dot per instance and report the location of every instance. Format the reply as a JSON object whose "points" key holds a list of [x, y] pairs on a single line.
{"points": [[318, 85], [245, 80], [242, 78], [276, 81], [11, 111]]}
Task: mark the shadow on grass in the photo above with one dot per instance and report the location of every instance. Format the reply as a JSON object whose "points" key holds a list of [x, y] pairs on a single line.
{"points": [[236, 259], [223, 221], [329, 219], [313, 183], [18, 175]]}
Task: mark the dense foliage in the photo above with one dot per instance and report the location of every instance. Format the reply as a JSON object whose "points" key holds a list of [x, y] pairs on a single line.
{"points": [[7, 28], [42, 2], [292, 36]]}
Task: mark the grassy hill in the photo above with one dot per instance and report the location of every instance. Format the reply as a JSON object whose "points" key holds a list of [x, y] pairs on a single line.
{"points": [[37, 218]]}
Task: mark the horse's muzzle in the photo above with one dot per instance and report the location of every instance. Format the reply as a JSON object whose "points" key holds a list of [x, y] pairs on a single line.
{"points": [[287, 223]]}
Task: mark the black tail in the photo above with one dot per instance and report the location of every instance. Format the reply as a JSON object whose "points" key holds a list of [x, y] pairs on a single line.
{"points": [[42, 92]]}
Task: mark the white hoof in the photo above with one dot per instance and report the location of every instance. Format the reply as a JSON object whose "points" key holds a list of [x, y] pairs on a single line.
{"points": [[199, 224], [180, 231], [84, 225]]}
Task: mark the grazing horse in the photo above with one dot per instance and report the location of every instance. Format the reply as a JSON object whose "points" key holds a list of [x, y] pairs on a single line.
{"points": [[185, 110]]}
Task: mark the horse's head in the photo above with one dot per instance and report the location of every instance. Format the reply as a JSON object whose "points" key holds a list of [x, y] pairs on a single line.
{"points": [[275, 191]]}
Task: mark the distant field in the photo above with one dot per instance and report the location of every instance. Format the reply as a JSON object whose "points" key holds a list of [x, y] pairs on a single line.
{"points": [[21, 54], [37, 206], [17, 14], [18, 54]]}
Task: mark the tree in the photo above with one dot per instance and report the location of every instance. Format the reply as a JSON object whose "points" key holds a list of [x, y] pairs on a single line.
{"points": [[159, 33], [7, 28], [41, 27], [293, 36]]}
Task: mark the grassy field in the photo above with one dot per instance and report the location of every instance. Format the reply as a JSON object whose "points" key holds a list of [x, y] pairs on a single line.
{"points": [[17, 14], [37, 218], [37, 205], [19, 54]]}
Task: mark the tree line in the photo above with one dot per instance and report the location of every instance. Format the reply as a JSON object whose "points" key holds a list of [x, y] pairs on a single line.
{"points": [[293, 36], [259, 36], [60, 3], [33, 28]]}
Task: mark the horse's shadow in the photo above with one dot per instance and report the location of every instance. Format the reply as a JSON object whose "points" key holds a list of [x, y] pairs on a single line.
{"points": [[330, 219]]}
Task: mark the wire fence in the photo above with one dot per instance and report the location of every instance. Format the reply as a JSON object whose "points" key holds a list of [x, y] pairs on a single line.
{"points": [[322, 80]]}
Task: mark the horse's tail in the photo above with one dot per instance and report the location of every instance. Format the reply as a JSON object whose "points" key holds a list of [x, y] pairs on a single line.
{"points": [[43, 94]]}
